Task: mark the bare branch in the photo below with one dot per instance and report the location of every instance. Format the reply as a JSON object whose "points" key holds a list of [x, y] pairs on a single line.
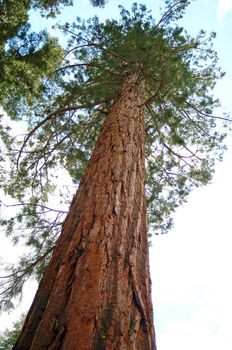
{"points": [[38, 205]]}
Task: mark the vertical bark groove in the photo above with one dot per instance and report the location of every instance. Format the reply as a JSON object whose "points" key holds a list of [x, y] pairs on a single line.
{"points": [[95, 293]]}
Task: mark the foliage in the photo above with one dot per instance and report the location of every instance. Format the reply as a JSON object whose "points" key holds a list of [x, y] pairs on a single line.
{"points": [[9, 337], [15, 14], [69, 99], [22, 51], [100, 3]]}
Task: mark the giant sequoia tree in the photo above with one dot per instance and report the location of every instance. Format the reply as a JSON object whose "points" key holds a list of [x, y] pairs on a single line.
{"points": [[129, 102]]}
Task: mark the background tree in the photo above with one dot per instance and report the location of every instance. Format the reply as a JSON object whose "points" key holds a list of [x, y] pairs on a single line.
{"points": [[178, 108], [21, 50], [8, 337]]}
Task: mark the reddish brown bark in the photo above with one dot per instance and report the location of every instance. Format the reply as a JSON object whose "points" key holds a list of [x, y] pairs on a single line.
{"points": [[95, 293]]}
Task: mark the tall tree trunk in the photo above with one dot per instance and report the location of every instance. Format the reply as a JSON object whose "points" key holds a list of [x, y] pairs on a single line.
{"points": [[95, 293]]}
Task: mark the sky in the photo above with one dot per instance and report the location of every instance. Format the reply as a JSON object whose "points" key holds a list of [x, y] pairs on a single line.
{"points": [[190, 266]]}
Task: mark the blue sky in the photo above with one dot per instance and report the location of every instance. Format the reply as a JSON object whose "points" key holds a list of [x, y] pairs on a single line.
{"points": [[191, 266]]}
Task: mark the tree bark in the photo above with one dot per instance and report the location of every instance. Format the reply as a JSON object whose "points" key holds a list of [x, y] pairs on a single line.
{"points": [[95, 294]]}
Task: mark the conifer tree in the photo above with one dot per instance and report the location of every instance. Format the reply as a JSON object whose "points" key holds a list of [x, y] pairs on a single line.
{"points": [[125, 96], [21, 50], [9, 337]]}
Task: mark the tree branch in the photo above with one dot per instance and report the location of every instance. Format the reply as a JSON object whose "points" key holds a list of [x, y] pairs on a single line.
{"points": [[51, 115], [208, 115], [166, 14], [37, 205]]}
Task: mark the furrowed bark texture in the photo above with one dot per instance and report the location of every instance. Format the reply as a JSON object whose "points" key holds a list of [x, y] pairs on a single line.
{"points": [[95, 294]]}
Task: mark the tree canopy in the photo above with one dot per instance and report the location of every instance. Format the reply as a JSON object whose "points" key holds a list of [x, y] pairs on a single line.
{"points": [[63, 96]]}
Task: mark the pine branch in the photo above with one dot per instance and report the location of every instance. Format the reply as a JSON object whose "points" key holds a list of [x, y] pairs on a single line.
{"points": [[169, 11], [208, 115], [50, 116], [37, 205]]}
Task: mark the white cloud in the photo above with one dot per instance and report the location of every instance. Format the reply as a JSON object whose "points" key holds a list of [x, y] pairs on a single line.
{"points": [[224, 7], [193, 335]]}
